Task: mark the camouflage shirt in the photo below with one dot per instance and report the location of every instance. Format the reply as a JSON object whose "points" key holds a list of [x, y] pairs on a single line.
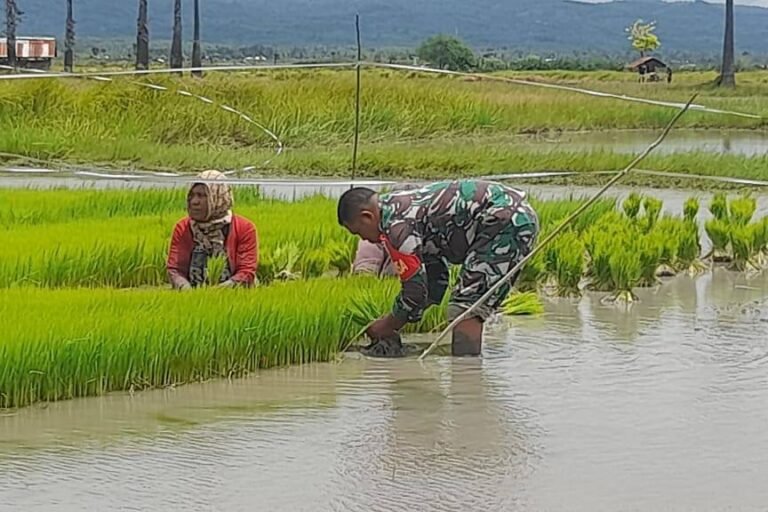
{"points": [[437, 225]]}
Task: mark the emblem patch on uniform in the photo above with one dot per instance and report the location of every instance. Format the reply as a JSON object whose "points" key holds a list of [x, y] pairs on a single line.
{"points": [[406, 265]]}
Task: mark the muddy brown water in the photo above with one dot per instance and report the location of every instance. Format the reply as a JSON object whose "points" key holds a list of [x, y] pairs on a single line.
{"points": [[659, 407]]}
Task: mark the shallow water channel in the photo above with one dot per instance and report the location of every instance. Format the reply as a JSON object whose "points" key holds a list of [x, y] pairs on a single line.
{"points": [[588, 407]]}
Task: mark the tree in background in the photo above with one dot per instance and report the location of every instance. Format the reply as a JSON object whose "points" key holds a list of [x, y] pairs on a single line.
{"points": [[642, 37], [727, 76], [177, 58], [446, 52], [142, 37], [12, 17], [197, 55], [69, 40]]}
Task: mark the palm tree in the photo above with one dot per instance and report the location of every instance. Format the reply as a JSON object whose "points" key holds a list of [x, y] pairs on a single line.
{"points": [[727, 73], [12, 14], [197, 57], [142, 37], [69, 40], [177, 59]]}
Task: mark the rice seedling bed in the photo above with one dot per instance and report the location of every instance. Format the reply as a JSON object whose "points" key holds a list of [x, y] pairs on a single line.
{"points": [[62, 344], [119, 239]]}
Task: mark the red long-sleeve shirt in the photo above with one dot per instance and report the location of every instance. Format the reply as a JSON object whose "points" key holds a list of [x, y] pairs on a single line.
{"points": [[242, 246]]}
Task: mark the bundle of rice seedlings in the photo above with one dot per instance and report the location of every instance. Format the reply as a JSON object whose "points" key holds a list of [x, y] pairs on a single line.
{"points": [[760, 241], [719, 232], [691, 209], [567, 264], [742, 210], [689, 250], [600, 242], [632, 205], [719, 207], [315, 263], [286, 257], [742, 244], [626, 272], [652, 211], [522, 303], [668, 230], [533, 273], [342, 256], [650, 250], [215, 269]]}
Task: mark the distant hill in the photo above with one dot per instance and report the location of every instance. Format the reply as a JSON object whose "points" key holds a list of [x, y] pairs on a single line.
{"points": [[526, 24]]}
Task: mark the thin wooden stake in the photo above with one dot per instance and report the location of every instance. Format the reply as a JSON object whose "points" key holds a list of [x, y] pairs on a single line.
{"points": [[357, 99], [560, 228]]}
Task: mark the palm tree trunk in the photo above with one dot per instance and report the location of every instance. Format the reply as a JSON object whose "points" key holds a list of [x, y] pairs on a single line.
{"points": [[69, 41], [197, 54], [11, 19], [177, 59], [142, 37], [727, 72]]}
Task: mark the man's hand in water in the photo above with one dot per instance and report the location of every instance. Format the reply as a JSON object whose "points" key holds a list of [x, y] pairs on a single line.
{"points": [[384, 327]]}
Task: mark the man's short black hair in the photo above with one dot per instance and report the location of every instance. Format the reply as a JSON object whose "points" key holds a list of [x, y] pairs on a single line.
{"points": [[352, 202]]}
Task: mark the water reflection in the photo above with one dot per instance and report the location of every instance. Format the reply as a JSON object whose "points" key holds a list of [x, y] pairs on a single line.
{"points": [[590, 407]]}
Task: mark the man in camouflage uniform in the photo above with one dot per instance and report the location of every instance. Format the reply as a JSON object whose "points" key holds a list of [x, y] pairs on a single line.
{"points": [[485, 227]]}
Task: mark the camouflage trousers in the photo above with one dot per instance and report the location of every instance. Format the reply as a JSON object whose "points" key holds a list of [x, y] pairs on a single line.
{"points": [[504, 237]]}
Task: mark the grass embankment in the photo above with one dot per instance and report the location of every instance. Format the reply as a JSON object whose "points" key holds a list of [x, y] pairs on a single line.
{"points": [[405, 117]]}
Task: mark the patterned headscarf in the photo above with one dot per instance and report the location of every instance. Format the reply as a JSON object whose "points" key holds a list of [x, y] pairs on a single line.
{"points": [[210, 236]]}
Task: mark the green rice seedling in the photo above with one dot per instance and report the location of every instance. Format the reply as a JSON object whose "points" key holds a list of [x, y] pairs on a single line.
{"points": [[719, 232], [215, 269], [742, 242], [760, 240], [632, 205], [606, 236], [522, 304], [286, 258], [567, 264], [265, 272], [691, 209], [668, 230], [652, 212], [650, 249], [742, 210], [689, 250], [533, 273], [719, 207], [315, 263], [626, 268], [342, 255]]}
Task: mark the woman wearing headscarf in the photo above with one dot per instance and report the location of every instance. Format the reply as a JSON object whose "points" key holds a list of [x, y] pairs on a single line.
{"points": [[211, 230]]}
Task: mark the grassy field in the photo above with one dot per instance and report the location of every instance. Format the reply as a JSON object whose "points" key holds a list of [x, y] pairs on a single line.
{"points": [[413, 124]]}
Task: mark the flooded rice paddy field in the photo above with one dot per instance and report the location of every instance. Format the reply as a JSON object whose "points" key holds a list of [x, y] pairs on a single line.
{"points": [[588, 407]]}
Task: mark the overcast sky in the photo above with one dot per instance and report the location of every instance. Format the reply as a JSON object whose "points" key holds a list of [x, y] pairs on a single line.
{"points": [[761, 3]]}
